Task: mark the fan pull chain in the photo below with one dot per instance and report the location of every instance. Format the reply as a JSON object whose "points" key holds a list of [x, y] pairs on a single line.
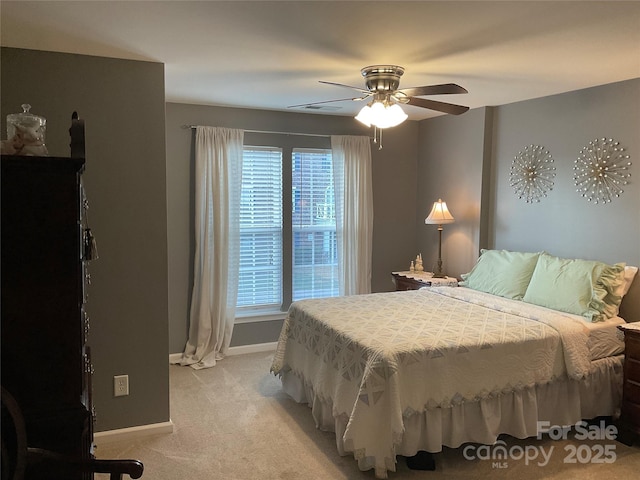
{"points": [[377, 136]]}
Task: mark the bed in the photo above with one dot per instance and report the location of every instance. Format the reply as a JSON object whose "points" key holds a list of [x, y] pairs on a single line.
{"points": [[396, 373]]}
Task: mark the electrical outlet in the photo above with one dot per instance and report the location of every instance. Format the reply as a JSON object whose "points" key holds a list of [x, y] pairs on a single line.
{"points": [[120, 385]]}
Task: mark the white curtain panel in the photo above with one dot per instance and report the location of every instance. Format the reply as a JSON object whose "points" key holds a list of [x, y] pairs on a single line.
{"points": [[217, 234], [354, 211]]}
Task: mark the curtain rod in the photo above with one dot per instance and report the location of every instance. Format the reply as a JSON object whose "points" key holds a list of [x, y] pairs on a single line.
{"points": [[273, 132]]}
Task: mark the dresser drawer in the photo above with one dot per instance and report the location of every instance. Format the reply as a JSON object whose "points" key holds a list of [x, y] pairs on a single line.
{"points": [[631, 368], [632, 391], [632, 346], [630, 408], [631, 412]]}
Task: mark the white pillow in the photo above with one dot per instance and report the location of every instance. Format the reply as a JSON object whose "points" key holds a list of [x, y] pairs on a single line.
{"points": [[621, 291], [629, 273]]}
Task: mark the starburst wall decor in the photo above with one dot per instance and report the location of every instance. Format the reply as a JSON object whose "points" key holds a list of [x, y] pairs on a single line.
{"points": [[601, 170], [532, 173]]}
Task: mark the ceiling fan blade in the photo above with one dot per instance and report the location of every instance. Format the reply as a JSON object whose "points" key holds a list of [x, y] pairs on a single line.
{"points": [[346, 86], [328, 101], [438, 106], [444, 89]]}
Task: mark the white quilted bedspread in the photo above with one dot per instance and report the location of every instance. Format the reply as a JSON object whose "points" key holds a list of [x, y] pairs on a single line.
{"points": [[378, 358]]}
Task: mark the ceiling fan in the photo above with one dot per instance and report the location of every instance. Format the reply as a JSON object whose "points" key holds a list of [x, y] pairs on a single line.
{"points": [[382, 83]]}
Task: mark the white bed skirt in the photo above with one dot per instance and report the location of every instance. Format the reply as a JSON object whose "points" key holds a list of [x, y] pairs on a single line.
{"points": [[561, 403]]}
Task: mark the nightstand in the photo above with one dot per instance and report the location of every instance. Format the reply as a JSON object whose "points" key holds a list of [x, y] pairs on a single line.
{"points": [[416, 280], [629, 423]]}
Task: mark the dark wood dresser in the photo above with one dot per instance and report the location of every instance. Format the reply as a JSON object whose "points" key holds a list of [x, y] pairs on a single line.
{"points": [[47, 407], [45, 364], [629, 423]]}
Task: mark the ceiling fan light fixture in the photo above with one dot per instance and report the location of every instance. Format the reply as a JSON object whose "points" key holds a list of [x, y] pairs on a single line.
{"points": [[382, 82], [381, 114]]}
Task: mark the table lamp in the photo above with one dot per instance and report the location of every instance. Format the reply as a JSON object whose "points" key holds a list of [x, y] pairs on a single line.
{"points": [[439, 216]]}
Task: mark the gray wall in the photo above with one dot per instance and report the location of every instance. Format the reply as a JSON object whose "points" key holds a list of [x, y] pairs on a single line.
{"points": [[564, 223], [122, 103], [466, 160], [454, 150], [394, 197]]}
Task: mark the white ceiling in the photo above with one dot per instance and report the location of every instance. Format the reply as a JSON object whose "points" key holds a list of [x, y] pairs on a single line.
{"points": [[270, 55]]}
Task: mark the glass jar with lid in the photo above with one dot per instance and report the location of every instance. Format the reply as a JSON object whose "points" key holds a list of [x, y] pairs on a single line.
{"points": [[26, 132]]}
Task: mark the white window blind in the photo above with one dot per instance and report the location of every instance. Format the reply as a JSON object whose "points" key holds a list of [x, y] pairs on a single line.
{"points": [[314, 250], [260, 282]]}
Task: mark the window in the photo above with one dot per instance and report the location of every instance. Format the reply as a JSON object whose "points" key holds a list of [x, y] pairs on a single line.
{"points": [[315, 260], [266, 281], [260, 281]]}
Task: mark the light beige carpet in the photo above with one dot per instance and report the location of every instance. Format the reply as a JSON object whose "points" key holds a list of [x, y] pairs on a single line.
{"points": [[233, 422]]}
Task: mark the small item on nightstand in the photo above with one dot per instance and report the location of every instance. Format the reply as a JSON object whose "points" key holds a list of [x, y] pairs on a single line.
{"points": [[411, 267]]}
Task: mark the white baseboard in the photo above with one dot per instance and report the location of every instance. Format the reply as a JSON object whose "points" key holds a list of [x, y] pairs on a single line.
{"points": [[256, 348], [239, 350], [174, 358], [108, 436]]}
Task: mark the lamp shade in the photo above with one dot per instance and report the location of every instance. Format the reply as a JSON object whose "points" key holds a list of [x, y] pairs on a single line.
{"points": [[439, 214]]}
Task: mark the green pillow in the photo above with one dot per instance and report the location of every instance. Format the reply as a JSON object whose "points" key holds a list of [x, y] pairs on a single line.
{"points": [[581, 287], [502, 273]]}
